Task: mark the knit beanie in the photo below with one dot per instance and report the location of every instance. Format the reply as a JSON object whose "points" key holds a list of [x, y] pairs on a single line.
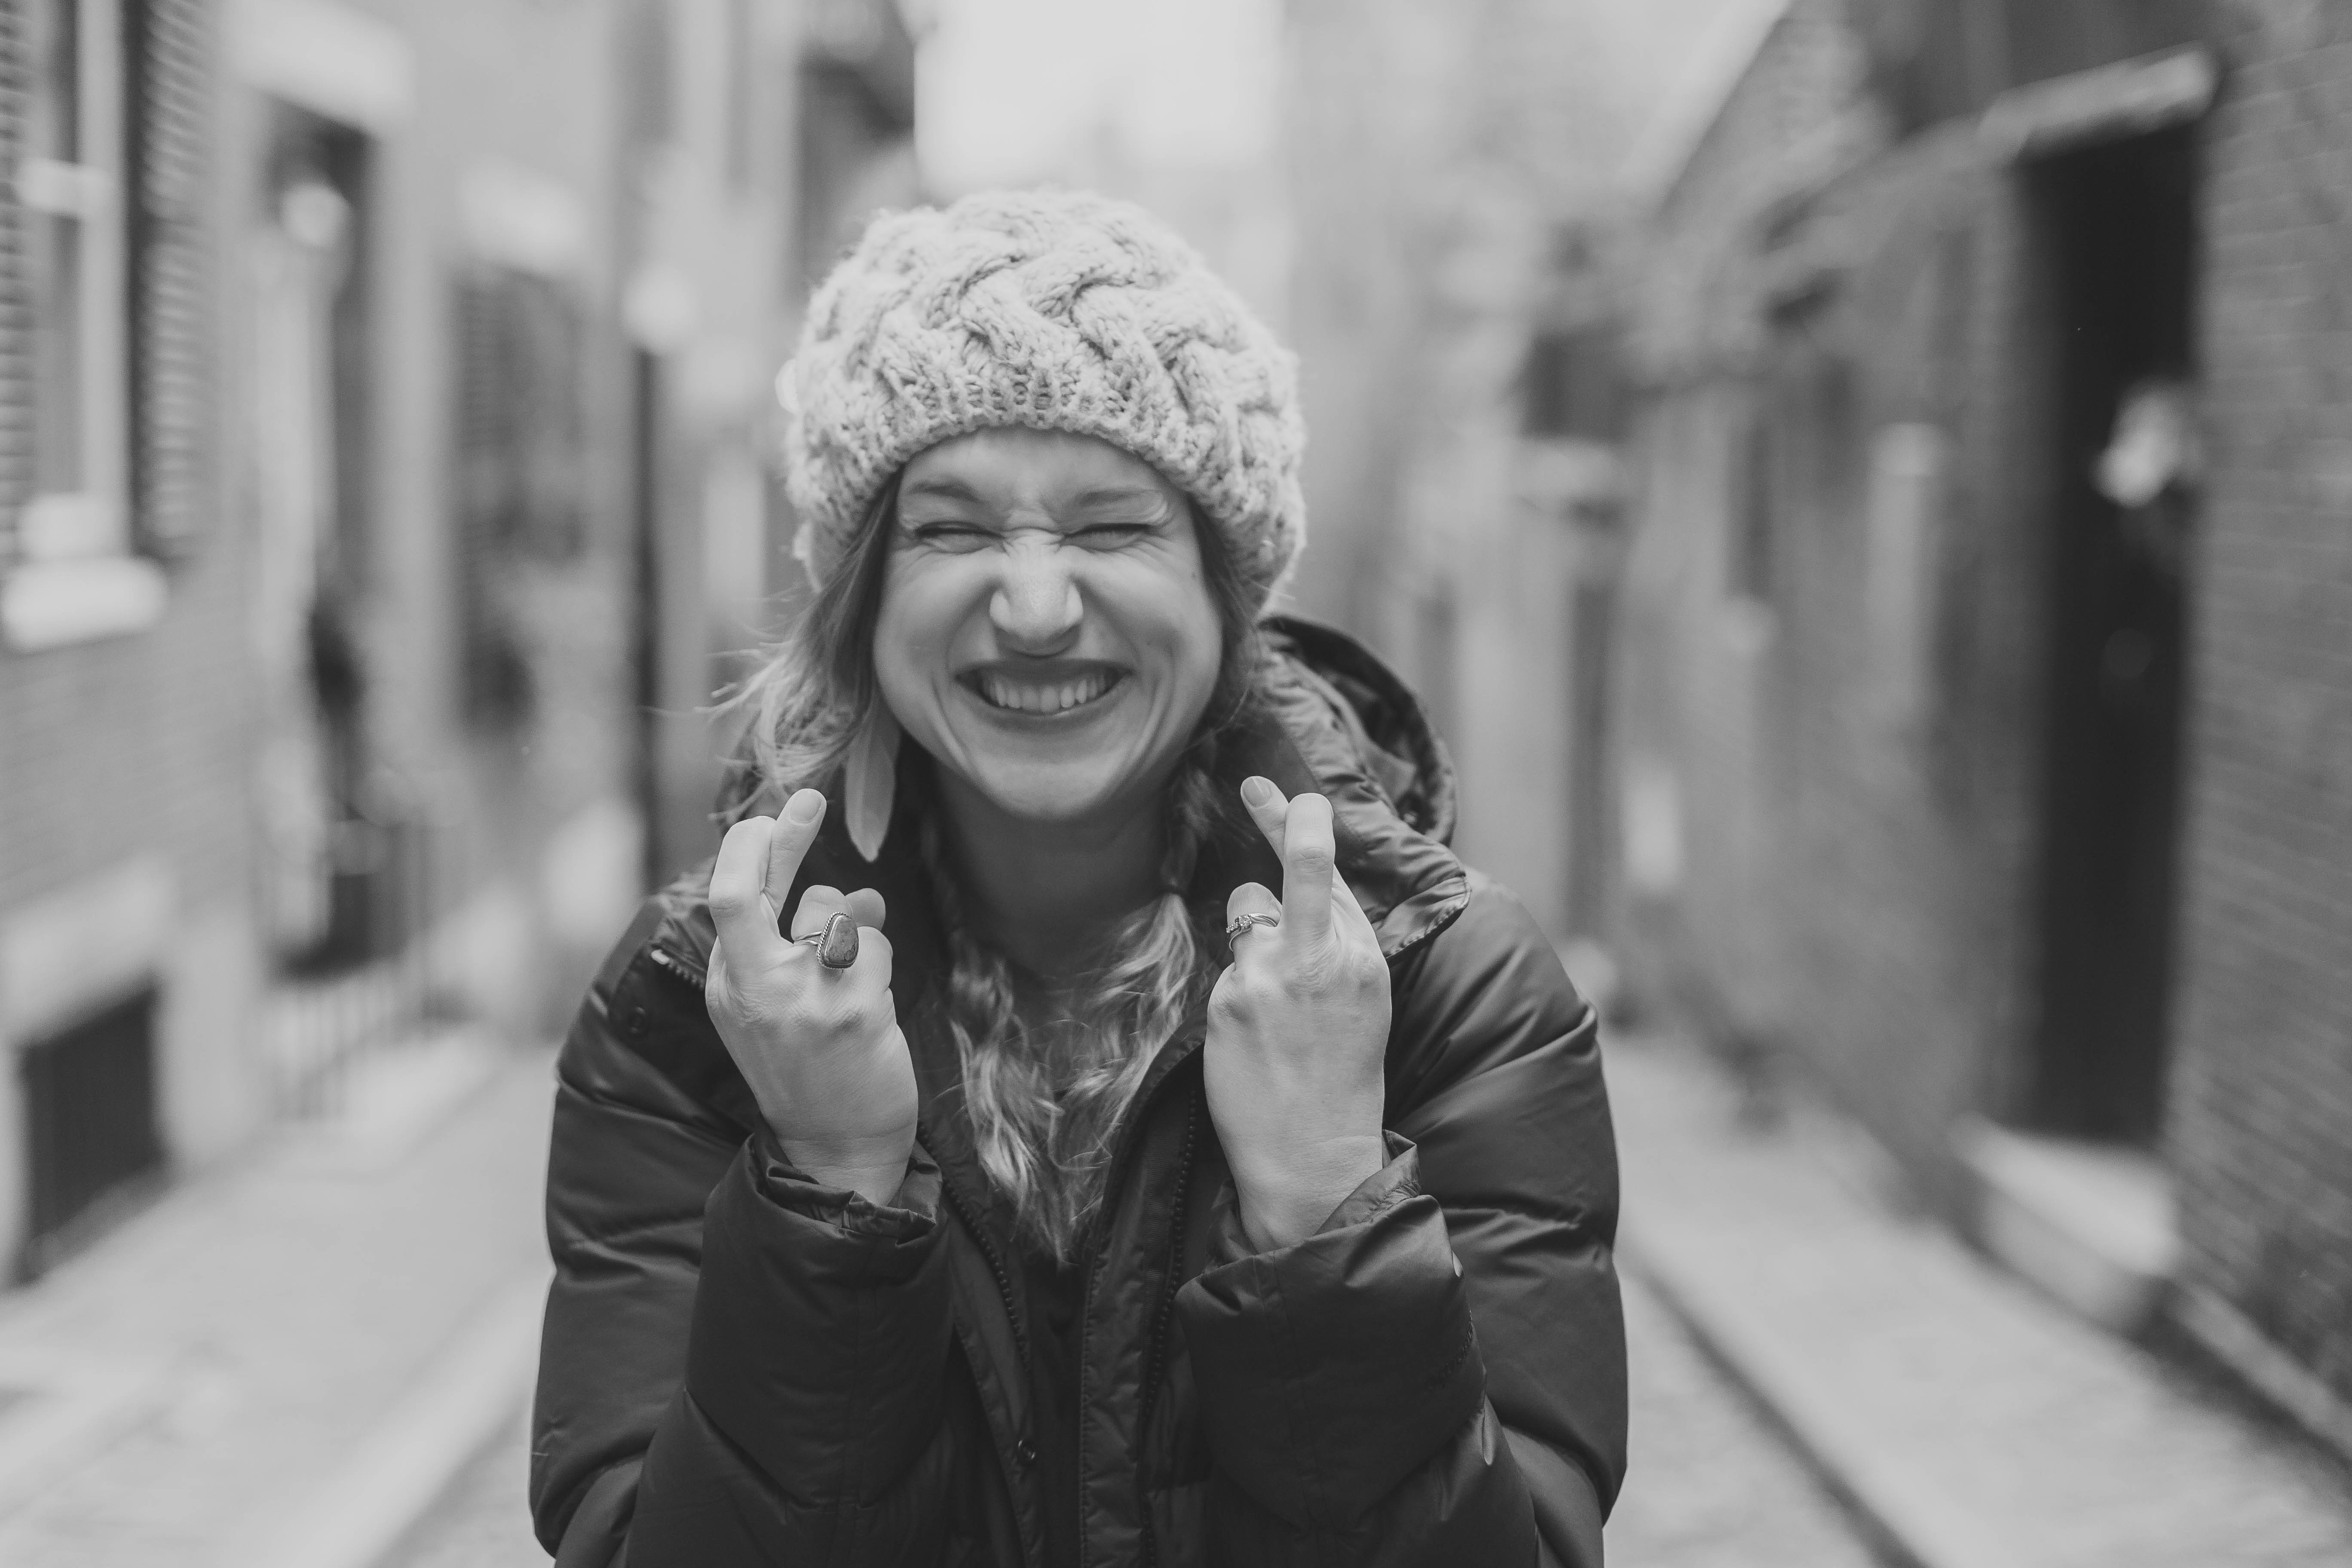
{"points": [[1056, 310]]}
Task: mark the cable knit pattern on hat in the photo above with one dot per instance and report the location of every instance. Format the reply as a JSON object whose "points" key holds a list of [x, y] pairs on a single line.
{"points": [[1059, 311]]}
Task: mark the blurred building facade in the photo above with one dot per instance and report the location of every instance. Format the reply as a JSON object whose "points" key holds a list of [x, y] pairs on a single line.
{"points": [[385, 498], [1457, 179], [1985, 704], [124, 908], [757, 136]]}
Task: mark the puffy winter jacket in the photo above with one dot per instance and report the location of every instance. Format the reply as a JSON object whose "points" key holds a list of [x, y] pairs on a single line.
{"points": [[743, 1367]]}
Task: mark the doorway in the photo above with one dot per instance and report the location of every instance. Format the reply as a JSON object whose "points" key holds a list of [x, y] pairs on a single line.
{"points": [[2116, 249], [329, 867]]}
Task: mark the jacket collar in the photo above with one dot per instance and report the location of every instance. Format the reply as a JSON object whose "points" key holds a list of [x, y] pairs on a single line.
{"points": [[1334, 719]]}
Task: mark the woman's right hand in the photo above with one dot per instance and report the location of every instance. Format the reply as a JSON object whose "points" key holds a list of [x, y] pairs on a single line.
{"points": [[820, 1047]]}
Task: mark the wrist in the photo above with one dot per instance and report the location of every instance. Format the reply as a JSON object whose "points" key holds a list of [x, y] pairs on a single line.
{"points": [[1287, 1201], [871, 1168]]}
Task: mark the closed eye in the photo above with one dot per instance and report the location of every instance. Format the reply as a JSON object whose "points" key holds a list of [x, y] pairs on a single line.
{"points": [[952, 535], [1114, 534]]}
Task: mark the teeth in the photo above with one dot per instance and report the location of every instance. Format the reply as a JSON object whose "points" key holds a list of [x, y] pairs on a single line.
{"points": [[1024, 698]]}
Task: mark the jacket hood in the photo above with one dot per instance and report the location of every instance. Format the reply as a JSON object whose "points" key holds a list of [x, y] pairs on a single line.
{"points": [[1329, 717]]}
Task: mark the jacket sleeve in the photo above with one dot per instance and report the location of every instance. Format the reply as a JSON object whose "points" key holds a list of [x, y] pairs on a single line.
{"points": [[1437, 1376], [738, 1366]]}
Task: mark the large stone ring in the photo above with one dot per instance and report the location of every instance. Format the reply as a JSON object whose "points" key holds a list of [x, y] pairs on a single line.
{"points": [[1241, 923], [837, 945]]}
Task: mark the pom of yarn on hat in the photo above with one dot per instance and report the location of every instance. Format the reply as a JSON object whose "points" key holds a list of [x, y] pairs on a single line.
{"points": [[1058, 311]]}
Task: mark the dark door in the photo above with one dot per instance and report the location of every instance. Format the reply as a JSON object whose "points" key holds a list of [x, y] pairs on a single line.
{"points": [[2117, 247]]}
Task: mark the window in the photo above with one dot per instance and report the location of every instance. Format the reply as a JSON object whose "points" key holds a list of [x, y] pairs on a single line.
{"points": [[1569, 385], [1755, 512], [1905, 513], [64, 543]]}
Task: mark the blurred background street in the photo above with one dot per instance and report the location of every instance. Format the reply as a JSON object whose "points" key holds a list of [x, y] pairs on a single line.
{"points": [[1862, 487]]}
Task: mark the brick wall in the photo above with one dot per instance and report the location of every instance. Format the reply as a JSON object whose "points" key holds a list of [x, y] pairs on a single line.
{"points": [[132, 751], [129, 744], [1845, 874], [134, 744], [1855, 892], [2260, 1131], [1862, 891], [140, 747]]}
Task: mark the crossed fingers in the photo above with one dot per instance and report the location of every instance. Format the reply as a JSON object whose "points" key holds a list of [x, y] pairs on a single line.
{"points": [[1314, 895], [757, 862]]}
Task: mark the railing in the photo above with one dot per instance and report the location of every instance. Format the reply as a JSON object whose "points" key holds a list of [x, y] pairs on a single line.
{"points": [[370, 981]]}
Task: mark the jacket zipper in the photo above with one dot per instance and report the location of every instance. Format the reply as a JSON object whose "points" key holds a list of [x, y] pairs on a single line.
{"points": [[1155, 1349], [1004, 1283], [995, 1259], [664, 959], [1131, 1137]]}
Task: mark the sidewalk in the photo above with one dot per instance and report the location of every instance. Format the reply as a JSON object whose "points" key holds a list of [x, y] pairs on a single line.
{"points": [[1966, 1419], [1711, 1484], [282, 1361]]}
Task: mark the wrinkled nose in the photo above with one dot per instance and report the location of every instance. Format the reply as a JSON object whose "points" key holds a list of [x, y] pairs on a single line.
{"points": [[1036, 608]]}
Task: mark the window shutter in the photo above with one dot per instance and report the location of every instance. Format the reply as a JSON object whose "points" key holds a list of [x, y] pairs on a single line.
{"points": [[167, 55], [15, 342]]}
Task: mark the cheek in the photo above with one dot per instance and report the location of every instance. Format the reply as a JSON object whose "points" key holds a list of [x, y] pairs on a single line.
{"points": [[913, 627], [1170, 613]]}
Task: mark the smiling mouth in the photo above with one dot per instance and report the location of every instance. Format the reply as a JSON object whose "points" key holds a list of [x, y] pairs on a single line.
{"points": [[1046, 699]]}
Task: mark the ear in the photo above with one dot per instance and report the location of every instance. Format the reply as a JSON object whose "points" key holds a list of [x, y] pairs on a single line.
{"points": [[870, 781]]}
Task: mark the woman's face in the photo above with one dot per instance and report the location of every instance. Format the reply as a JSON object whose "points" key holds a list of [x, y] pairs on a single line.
{"points": [[1046, 632]]}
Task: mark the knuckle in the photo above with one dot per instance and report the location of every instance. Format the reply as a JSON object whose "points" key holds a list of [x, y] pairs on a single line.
{"points": [[845, 1015], [1231, 996], [1261, 990]]}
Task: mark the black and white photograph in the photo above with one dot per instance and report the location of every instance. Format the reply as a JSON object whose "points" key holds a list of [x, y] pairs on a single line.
{"points": [[1176, 784]]}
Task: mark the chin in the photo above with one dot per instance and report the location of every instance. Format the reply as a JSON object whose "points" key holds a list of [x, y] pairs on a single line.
{"points": [[1048, 792]]}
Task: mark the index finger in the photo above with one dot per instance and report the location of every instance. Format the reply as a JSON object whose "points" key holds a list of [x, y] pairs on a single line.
{"points": [[1308, 853]]}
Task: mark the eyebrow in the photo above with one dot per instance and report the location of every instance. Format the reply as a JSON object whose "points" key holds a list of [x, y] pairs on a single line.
{"points": [[1117, 492], [947, 488]]}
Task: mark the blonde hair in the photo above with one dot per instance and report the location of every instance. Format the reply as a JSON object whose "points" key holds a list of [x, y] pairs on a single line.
{"points": [[815, 690], [1043, 1095]]}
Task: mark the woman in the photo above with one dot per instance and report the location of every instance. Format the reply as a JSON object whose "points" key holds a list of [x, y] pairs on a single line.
{"points": [[927, 1187]]}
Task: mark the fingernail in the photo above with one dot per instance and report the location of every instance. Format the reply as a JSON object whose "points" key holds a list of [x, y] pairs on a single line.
{"points": [[804, 807], [1256, 790]]}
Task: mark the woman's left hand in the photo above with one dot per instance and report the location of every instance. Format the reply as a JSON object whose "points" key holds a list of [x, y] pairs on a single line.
{"points": [[1299, 1028]]}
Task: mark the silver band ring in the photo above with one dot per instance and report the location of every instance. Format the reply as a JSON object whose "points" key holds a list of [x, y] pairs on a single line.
{"points": [[1240, 923], [837, 945]]}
